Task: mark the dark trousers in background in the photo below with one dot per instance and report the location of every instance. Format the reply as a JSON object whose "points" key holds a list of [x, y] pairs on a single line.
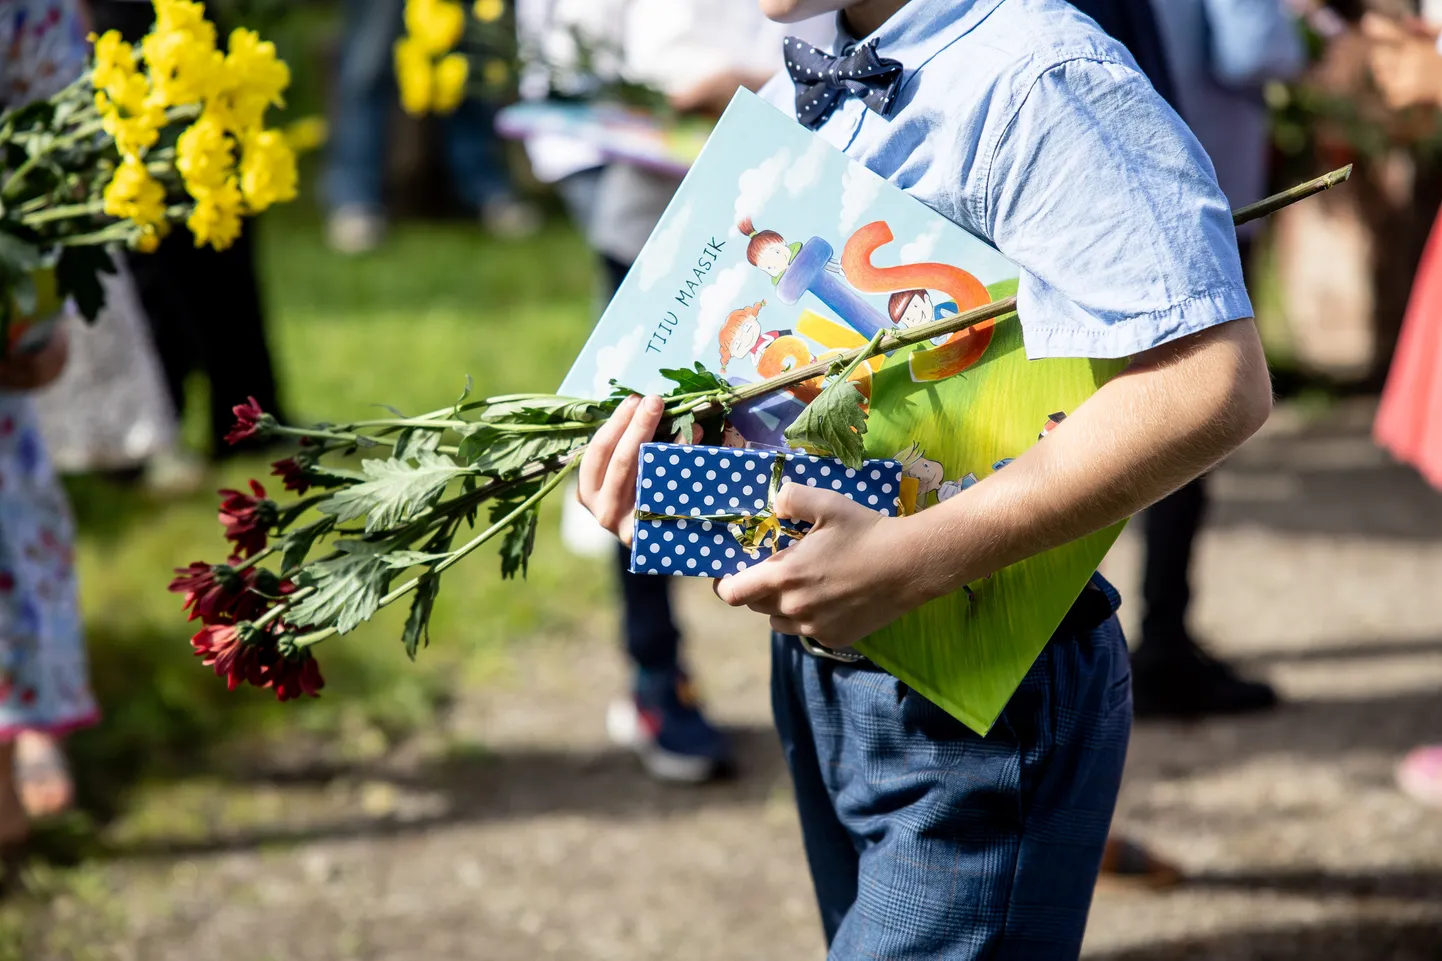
{"points": [[206, 315], [652, 639], [204, 306]]}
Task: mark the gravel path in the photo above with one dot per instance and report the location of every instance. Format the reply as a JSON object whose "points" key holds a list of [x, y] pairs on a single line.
{"points": [[1320, 571]]}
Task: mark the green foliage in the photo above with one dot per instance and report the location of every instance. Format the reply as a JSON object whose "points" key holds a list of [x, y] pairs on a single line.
{"points": [[417, 630], [498, 452], [695, 381], [347, 590], [832, 425], [397, 491], [78, 276], [519, 540]]}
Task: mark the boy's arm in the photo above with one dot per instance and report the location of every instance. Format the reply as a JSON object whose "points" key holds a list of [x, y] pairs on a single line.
{"points": [[1176, 411]]}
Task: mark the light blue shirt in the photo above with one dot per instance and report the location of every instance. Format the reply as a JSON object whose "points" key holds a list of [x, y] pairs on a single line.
{"points": [[1222, 53], [1022, 122]]}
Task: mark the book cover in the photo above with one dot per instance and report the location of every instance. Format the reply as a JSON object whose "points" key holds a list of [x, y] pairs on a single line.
{"points": [[778, 250]]}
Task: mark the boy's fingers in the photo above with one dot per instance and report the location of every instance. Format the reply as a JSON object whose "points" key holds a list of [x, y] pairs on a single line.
{"points": [[787, 625], [753, 585], [801, 502], [598, 453], [622, 468]]}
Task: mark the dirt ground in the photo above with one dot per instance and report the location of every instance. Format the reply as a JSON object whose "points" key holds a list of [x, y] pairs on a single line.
{"points": [[1320, 570]]}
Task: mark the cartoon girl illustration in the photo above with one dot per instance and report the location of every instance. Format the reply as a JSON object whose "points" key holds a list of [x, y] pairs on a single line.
{"points": [[912, 308], [742, 336], [769, 250], [731, 437], [1051, 425]]}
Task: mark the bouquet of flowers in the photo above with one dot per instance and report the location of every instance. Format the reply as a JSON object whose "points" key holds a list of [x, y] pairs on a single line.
{"points": [[358, 538], [171, 132]]}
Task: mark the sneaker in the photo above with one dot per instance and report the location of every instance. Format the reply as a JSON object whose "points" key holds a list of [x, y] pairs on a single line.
{"points": [[663, 724], [354, 230], [510, 219], [1184, 681]]}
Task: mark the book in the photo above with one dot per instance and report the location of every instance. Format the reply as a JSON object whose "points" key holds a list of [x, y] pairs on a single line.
{"points": [[632, 135], [779, 249]]}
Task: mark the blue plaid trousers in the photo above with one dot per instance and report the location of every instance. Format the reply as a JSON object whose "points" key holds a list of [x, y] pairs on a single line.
{"points": [[927, 841]]}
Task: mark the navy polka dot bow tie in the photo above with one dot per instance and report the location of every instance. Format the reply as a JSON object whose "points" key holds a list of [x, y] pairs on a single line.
{"points": [[823, 80]]}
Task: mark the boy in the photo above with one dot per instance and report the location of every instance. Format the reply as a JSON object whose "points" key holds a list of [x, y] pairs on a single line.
{"points": [[1022, 122]]}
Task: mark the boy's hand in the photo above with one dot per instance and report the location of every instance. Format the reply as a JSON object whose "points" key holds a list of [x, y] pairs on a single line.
{"points": [[607, 479], [848, 577]]}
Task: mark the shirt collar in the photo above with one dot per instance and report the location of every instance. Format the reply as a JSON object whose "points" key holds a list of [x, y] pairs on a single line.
{"points": [[920, 30], [914, 35]]}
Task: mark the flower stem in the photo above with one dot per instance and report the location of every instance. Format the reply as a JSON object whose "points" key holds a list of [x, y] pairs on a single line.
{"points": [[64, 212]]}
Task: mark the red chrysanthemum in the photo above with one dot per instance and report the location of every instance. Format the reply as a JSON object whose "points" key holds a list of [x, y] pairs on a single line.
{"points": [[291, 677], [249, 420], [219, 594], [235, 655], [247, 518], [295, 477]]}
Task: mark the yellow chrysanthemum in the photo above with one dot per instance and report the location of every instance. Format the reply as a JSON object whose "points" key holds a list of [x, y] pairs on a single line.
{"points": [[114, 62], [267, 170], [134, 195], [436, 25], [489, 11], [307, 133], [413, 76], [133, 127], [149, 238], [183, 16], [204, 155], [252, 79], [216, 217], [450, 82], [495, 73], [180, 54]]}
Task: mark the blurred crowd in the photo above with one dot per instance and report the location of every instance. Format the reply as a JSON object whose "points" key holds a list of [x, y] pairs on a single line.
{"points": [[109, 398]]}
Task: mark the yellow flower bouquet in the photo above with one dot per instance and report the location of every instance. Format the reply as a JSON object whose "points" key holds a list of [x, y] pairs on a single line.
{"points": [[172, 131]]}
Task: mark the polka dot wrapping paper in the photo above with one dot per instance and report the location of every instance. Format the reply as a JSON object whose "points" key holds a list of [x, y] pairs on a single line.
{"points": [[699, 499]]}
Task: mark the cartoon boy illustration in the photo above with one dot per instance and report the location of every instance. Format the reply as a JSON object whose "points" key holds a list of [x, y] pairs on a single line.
{"points": [[950, 489], [742, 336], [731, 437], [926, 472], [912, 308]]}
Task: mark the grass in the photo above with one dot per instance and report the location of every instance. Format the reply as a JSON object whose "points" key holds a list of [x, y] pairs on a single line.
{"points": [[404, 327]]}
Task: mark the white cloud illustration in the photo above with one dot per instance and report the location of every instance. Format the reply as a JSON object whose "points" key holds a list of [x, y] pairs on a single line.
{"points": [[614, 360], [714, 305], [859, 190], [659, 255], [807, 169], [921, 249], [755, 187]]}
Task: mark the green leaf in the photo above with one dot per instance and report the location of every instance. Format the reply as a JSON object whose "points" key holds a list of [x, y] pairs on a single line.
{"points": [[470, 386], [695, 381], [415, 441], [832, 425], [348, 589], [681, 428], [501, 453], [17, 257], [400, 560], [418, 622], [77, 275], [299, 542], [396, 492], [517, 544], [544, 410]]}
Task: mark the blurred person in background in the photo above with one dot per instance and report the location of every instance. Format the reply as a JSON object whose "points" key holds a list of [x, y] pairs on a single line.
{"points": [[44, 685], [366, 97], [698, 54], [1407, 69], [204, 306], [1222, 54]]}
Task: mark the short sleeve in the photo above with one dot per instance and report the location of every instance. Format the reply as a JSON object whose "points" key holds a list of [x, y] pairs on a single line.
{"points": [[1109, 206]]}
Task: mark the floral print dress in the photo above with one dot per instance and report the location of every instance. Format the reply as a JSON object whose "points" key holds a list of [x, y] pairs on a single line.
{"points": [[44, 682]]}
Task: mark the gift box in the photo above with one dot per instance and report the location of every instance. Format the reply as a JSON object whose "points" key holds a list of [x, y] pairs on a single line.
{"points": [[707, 511]]}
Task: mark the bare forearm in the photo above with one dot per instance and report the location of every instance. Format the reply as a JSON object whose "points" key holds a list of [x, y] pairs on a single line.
{"points": [[1171, 416]]}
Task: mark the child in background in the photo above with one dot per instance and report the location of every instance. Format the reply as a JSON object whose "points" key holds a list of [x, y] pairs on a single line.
{"points": [[1407, 68], [1023, 123], [44, 687]]}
